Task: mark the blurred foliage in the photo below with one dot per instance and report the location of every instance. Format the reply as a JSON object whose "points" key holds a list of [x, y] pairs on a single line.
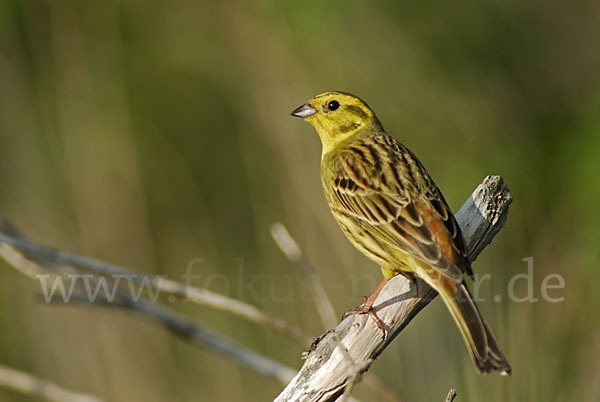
{"points": [[150, 133]]}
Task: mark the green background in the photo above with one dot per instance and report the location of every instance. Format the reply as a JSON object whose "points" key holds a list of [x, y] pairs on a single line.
{"points": [[149, 133]]}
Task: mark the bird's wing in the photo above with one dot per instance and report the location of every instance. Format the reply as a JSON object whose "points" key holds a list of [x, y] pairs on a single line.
{"points": [[419, 223]]}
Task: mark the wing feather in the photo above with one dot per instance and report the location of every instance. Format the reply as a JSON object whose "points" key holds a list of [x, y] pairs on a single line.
{"points": [[398, 213]]}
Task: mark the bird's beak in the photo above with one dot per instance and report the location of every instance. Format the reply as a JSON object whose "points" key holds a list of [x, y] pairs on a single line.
{"points": [[305, 110]]}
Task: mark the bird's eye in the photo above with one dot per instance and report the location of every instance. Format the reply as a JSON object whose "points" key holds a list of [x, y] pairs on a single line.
{"points": [[333, 105]]}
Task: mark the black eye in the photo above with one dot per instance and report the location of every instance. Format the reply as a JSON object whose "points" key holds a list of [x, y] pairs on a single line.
{"points": [[333, 105]]}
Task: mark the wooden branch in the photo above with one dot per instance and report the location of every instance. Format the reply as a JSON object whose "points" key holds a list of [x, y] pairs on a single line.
{"points": [[292, 251], [335, 358]]}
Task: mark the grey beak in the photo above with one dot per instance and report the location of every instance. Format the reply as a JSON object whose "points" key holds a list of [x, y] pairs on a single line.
{"points": [[304, 111]]}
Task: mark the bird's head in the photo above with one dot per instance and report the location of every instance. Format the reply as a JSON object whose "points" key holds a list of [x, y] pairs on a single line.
{"points": [[336, 116]]}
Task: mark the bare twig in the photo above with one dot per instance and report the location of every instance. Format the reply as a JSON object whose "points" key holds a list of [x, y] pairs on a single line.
{"points": [[451, 395], [52, 259], [290, 249], [37, 388], [29, 264], [324, 374]]}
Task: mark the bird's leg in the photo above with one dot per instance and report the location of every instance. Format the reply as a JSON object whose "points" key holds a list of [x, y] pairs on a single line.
{"points": [[367, 307]]}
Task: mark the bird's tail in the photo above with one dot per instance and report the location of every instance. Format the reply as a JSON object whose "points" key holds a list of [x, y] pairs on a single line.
{"points": [[480, 341]]}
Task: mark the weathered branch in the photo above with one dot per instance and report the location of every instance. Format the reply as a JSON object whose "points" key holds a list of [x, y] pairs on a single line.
{"points": [[332, 363]]}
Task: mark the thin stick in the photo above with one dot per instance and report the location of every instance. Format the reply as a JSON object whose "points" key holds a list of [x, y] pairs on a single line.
{"points": [[34, 255], [292, 251], [37, 388]]}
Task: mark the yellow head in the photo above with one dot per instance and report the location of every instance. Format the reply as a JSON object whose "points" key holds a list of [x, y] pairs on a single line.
{"points": [[336, 116]]}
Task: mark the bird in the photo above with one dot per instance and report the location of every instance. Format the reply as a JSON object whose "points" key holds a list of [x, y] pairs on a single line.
{"points": [[390, 209]]}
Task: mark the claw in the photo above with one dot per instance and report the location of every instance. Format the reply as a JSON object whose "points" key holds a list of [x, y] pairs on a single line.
{"points": [[367, 308]]}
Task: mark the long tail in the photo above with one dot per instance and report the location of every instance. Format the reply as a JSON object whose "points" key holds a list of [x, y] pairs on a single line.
{"points": [[480, 341]]}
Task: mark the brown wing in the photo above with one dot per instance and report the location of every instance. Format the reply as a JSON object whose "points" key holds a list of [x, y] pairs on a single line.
{"points": [[387, 191]]}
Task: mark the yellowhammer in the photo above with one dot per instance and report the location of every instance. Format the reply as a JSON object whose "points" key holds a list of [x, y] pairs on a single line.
{"points": [[391, 210]]}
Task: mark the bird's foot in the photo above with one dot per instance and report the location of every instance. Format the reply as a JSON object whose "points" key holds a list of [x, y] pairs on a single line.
{"points": [[367, 308]]}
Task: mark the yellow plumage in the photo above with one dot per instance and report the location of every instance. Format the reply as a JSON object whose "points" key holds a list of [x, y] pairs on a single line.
{"points": [[390, 209]]}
